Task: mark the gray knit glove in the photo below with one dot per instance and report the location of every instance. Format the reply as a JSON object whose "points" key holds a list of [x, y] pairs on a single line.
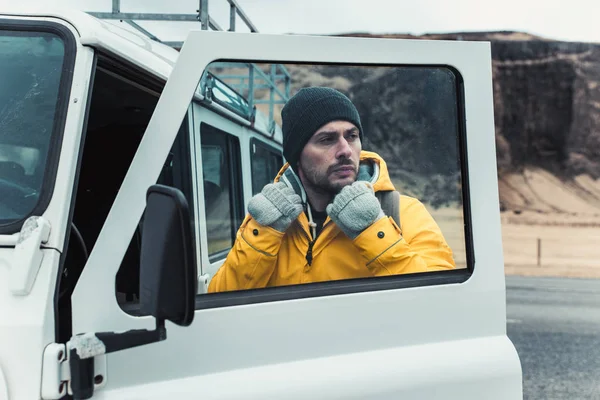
{"points": [[355, 208], [277, 206]]}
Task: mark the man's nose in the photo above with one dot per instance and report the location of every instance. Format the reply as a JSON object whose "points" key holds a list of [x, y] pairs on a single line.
{"points": [[344, 150]]}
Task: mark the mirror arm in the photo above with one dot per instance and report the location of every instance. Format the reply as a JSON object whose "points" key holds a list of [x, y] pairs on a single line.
{"points": [[83, 348], [132, 338]]}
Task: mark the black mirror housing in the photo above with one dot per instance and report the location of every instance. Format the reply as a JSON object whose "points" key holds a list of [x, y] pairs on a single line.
{"points": [[168, 271]]}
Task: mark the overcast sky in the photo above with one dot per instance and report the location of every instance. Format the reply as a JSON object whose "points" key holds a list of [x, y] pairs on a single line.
{"points": [[572, 20]]}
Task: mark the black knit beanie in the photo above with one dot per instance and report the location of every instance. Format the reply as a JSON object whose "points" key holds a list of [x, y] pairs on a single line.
{"points": [[307, 111]]}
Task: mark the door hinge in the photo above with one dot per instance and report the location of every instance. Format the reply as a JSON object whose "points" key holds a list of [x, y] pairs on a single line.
{"points": [[56, 373]]}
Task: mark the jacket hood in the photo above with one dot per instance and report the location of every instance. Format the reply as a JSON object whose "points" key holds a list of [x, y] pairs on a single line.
{"points": [[372, 168]]}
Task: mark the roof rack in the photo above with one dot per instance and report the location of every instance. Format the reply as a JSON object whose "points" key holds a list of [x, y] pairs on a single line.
{"points": [[234, 91], [237, 90], [202, 16]]}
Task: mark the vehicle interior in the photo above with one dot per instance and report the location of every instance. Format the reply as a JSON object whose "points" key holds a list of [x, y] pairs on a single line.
{"points": [[121, 104], [118, 112]]}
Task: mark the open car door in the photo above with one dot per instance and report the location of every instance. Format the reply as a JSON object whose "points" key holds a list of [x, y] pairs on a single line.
{"points": [[420, 336]]}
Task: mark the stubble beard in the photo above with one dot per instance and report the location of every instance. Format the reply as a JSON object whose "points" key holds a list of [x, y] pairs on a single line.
{"points": [[320, 181]]}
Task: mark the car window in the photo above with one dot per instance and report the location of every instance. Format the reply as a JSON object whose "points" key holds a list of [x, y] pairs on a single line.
{"points": [[412, 127], [31, 66], [222, 194]]}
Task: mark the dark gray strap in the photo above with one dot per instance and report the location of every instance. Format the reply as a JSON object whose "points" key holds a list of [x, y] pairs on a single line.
{"points": [[390, 204], [292, 179]]}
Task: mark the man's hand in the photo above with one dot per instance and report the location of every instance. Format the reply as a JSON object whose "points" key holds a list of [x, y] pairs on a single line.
{"points": [[277, 206], [355, 208]]}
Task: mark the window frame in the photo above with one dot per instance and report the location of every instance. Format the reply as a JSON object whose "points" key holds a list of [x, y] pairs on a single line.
{"points": [[60, 112], [233, 154], [361, 285]]}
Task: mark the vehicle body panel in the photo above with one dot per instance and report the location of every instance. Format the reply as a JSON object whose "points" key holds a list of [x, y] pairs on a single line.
{"points": [[252, 338], [26, 326]]}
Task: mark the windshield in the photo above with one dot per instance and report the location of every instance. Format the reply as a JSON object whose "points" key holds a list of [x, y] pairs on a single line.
{"points": [[31, 65]]}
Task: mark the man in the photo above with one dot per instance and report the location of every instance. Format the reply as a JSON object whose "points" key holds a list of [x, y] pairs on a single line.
{"points": [[320, 220]]}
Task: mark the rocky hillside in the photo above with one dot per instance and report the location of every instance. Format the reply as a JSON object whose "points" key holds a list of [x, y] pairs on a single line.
{"points": [[547, 116]]}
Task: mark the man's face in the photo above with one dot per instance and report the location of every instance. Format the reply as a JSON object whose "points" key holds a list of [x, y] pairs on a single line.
{"points": [[329, 161]]}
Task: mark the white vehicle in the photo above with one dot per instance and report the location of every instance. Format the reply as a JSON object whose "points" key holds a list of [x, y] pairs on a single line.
{"points": [[93, 116]]}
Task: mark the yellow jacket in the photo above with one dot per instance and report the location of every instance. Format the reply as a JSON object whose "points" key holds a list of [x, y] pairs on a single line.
{"points": [[262, 256]]}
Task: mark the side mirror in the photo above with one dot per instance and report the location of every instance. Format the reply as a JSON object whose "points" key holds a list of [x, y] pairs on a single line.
{"points": [[168, 285], [168, 271]]}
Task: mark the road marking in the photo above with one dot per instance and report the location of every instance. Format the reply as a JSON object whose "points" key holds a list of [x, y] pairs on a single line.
{"points": [[513, 321]]}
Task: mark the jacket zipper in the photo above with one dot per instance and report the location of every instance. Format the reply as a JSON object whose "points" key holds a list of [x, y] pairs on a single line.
{"points": [[311, 243], [309, 252]]}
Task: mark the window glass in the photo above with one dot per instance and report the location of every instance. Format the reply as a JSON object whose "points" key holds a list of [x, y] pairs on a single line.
{"points": [[266, 162], [31, 66], [411, 122], [222, 194]]}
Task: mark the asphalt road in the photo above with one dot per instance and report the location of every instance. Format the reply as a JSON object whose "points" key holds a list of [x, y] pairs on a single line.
{"points": [[555, 325]]}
